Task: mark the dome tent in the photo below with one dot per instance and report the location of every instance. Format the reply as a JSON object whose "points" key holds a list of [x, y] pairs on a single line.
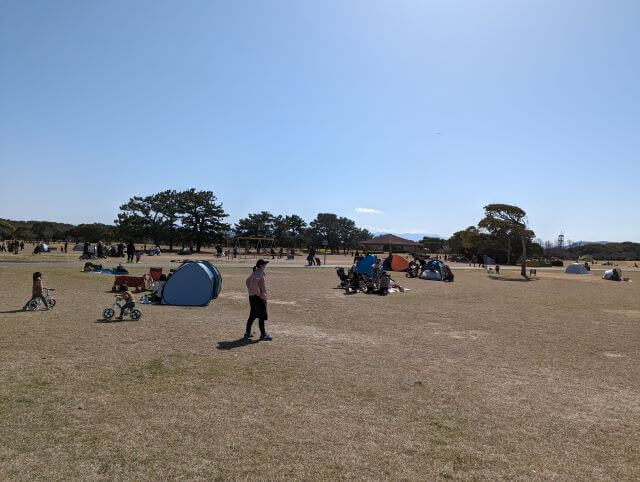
{"points": [[576, 268], [436, 270], [193, 284]]}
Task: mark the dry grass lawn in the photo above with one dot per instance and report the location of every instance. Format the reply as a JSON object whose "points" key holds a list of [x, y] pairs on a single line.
{"points": [[483, 378]]}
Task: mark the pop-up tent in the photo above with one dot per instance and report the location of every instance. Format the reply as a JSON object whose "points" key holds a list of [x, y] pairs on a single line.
{"points": [[216, 274], [193, 284], [576, 268], [395, 263]]}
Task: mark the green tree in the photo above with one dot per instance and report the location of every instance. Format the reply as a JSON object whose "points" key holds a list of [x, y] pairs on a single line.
{"points": [[289, 230], [93, 232], [347, 231], [6, 229], [201, 216], [23, 232], [139, 219], [165, 203], [470, 242], [45, 230], [325, 228], [259, 225], [433, 244], [505, 218]]}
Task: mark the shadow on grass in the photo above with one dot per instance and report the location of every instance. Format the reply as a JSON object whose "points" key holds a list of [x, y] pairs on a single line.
{"points": [[230, 345], [113, 320], [502, 278]]}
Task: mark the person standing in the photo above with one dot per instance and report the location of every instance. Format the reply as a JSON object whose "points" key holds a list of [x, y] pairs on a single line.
{"points": [[131, 251], [257, 287]]}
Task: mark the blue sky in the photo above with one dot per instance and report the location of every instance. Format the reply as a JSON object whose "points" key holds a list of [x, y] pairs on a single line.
{"points": [[402, 115]]}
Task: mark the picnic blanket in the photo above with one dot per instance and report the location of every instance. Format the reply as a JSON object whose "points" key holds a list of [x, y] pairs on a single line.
{"points": [[101, 271]]}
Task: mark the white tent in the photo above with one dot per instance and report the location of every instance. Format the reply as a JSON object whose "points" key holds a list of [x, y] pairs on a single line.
{"points": [[576, 268]]}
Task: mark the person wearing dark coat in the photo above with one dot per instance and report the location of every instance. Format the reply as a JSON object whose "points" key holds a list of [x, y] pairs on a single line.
{"points": [[131, 251]]}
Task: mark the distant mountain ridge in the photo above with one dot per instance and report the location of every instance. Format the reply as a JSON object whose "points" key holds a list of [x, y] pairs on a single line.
{"points": [[411, 236]]}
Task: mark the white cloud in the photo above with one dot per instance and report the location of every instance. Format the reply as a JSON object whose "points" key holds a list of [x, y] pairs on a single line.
{"points": [[377, 229], [368, 211]]}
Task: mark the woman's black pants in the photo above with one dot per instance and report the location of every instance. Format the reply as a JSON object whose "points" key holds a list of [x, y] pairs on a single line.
{"points": [[258, 310]]}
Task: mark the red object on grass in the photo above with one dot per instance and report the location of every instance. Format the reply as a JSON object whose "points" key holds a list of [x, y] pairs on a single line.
{"points": [[137, 282], [155, 273]]}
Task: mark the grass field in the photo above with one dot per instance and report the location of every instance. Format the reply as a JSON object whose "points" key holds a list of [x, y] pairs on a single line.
{"points": [[482, 378]]}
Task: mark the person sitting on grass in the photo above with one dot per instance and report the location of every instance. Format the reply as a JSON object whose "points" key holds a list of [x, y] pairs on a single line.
{"points": [[354, 281], [158, 286], [127, 297], [36, 291], [385, 279]]}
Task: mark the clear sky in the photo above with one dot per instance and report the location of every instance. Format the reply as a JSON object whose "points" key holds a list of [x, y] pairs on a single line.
{"points": [[422, 110]]}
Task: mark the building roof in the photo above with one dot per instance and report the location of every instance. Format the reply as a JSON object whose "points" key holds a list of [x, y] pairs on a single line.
{"points": [[390, 239]]}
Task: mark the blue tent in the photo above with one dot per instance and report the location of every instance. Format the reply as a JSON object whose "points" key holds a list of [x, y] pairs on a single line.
{"points": [[217, 276], [365, 264], [193, 284]]}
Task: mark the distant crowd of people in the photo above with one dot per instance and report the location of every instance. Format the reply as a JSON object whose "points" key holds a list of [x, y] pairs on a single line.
{"points": [[100, 250], [11, 246], [235, 252]]}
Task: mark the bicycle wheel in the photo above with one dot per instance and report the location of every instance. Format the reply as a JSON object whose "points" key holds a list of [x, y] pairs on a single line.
{"points": [[32, 305], [108, 313], [51, 302], [136, 314]]}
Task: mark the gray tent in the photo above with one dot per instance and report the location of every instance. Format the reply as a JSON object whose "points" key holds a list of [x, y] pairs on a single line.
{"points": [[576, 268]]}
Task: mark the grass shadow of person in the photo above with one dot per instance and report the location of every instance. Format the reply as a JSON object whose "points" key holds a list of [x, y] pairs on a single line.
{"points": [[229, 345]]}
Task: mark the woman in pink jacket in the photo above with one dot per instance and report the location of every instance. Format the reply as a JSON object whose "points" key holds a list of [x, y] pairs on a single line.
{"points": [[257, 287]]}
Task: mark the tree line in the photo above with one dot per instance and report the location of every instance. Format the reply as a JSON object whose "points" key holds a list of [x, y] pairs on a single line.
{"points": [[339, 233], [502, 234], [195, 218]]}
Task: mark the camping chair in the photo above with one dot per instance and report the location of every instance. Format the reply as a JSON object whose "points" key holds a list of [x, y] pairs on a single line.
{"points": [[155, 273]]}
